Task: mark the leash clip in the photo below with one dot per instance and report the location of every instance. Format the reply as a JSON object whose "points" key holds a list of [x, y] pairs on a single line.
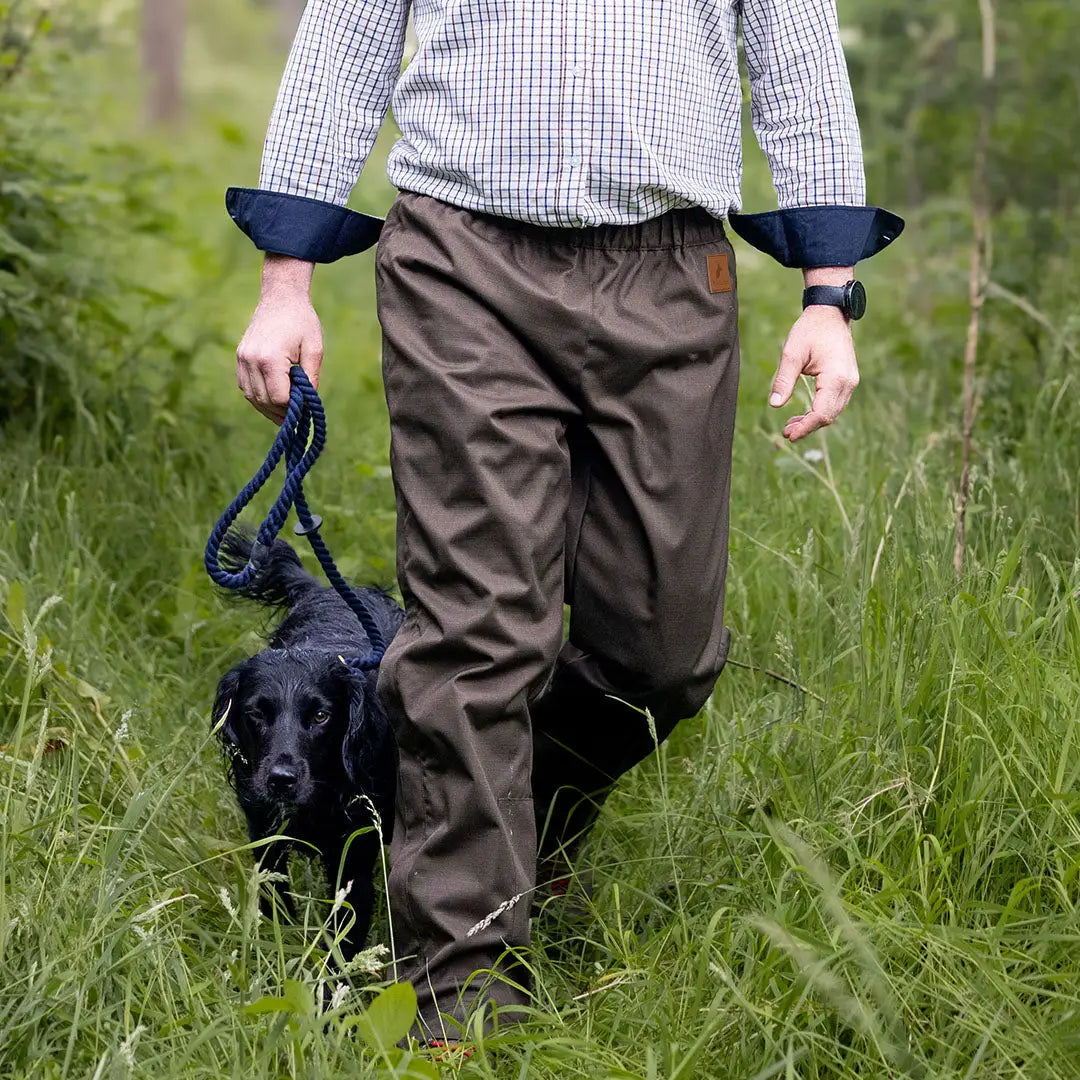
{"points": [[305, 530], [259, 551]]}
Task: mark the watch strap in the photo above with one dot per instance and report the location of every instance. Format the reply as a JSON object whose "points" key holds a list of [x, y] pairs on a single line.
{"points": [[832, 295]]}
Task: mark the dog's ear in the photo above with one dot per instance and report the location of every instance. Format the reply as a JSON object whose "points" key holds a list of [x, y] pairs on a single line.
{"points": [[369, 752], [222, 716], [362, 747]]}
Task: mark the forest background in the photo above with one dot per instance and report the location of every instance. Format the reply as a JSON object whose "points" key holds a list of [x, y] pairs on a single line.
{"points": [[863, 858]]}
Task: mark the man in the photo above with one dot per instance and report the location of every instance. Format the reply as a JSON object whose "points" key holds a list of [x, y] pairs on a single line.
{"points": [[557, 295]]}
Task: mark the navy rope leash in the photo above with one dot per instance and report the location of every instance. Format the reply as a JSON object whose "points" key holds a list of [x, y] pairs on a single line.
{"points": [[304, 420]]}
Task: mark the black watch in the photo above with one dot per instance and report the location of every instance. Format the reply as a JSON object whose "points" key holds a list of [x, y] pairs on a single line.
{"points": [[849, 298]]}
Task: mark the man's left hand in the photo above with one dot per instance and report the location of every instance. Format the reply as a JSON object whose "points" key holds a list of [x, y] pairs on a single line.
{"points": [[819, 345]]}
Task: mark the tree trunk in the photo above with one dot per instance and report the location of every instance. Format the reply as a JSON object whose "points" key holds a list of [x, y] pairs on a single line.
{"points": [[980, 273], [289, 12], [163, 25]]}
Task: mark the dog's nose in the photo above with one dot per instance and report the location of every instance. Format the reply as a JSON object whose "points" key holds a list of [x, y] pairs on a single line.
{"points": [[282, 778]]}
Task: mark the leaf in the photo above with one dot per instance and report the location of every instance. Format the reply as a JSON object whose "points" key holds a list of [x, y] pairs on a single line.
{"points": [[15, 607], [10, 246], [91, 693], [297, 1000], [267, 1005], [419, 1069], [300, 997], [387, 1020]]}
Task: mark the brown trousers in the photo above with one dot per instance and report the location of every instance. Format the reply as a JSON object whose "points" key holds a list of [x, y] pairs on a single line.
{"points": [[561, 406]]}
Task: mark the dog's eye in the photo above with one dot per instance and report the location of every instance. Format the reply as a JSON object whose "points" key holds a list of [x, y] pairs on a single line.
{"points": [[321, 716]]}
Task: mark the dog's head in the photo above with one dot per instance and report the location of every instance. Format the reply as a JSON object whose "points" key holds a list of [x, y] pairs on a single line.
{"points": [[300, 731]]}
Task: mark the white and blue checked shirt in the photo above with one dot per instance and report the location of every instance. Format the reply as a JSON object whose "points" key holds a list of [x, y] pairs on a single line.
{"points": [[562, 112]]}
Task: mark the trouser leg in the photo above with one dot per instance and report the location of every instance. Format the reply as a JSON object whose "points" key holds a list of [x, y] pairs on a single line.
{"points": [[499, 341], [647, 542], [481, 474]]}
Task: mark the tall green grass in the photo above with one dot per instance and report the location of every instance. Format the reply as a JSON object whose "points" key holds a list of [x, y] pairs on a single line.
{"points": [[862, 859], [871, 872]]}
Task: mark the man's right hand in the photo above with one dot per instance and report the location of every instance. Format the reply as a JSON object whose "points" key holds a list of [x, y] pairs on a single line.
{"points": [[283, 331]]}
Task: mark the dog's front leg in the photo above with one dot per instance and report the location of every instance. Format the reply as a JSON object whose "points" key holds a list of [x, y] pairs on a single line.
{"points": [[350, 872]]}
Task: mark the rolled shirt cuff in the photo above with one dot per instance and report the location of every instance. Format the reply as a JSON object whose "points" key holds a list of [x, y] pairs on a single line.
{"points": [[810, 236], [308, 229]]}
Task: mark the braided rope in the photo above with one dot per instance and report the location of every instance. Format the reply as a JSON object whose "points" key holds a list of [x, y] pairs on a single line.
{"points": [[304, 420]]}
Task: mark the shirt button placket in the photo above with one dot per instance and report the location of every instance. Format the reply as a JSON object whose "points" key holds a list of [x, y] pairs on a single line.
{"points": [[584, 88], [575, 110]]}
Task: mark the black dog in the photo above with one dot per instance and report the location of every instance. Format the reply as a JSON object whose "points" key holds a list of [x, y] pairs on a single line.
{"points": [[308, 747]]}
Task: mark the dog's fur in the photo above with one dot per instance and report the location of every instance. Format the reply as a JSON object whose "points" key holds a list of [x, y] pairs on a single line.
{"points": [[307, 744]]}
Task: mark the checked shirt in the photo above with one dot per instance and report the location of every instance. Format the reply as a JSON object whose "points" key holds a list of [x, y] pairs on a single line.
{"points": [[565, 113]]}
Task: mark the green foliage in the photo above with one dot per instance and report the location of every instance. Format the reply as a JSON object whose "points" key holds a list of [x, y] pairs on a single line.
{"points": [[74, 325], [873, 872], [916, 67], [873, 876]]}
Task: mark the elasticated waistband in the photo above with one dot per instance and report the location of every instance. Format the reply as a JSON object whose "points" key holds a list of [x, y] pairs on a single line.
{"points": [[676, 229]]}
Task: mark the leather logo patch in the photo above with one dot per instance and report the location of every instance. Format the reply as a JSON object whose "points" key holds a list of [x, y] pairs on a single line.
{"points": [[719, 274]]}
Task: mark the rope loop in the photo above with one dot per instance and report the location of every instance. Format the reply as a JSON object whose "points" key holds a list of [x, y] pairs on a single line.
{"points": [[300, 440]]}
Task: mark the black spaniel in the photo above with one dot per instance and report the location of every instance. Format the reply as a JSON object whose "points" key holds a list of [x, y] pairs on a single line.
{"points": [[308, 748]]}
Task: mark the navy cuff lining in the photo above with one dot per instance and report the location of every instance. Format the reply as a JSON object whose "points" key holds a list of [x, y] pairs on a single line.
{"points": [[304, 228], [810, 236]]}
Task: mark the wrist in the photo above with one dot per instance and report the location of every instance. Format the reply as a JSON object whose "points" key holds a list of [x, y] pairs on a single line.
{"points": [[828, 275], [848, 298], [284, 275], [827, 313]]}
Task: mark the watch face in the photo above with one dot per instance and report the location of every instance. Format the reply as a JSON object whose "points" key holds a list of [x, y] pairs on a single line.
{"points": [[855, 301]]}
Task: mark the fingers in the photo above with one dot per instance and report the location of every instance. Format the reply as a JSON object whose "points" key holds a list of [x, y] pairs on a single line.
{"points": [[262, 373], [311, 356], [832, 395], [284, 330], [819, 345], [265, 383], [792, 362], [249, 378], [243, 377], [278, 388]]}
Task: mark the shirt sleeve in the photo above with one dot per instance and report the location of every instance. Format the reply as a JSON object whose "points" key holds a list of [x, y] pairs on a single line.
{"points": [[804, 118], [333, 98]]}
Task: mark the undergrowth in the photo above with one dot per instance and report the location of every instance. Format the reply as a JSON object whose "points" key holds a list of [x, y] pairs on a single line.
{"points": [[861, 859]]}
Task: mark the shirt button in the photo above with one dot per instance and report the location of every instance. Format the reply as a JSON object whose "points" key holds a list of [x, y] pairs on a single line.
{"points": [[577, 69], [575, 161]]}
